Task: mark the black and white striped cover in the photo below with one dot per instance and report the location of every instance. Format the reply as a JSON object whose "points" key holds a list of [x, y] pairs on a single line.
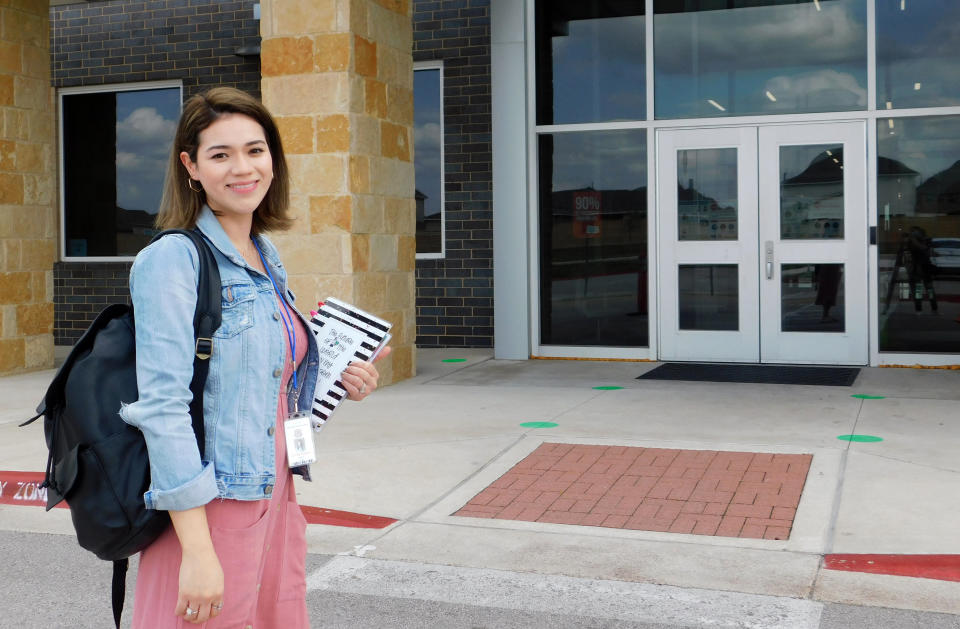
{"points": [[377, 333]]}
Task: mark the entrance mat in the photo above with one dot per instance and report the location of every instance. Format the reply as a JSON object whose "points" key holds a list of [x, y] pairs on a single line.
{"points": [[765, 374], [700, 492]]}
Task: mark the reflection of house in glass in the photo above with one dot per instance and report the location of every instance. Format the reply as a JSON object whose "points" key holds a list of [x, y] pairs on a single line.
{"points": [[704, 218], [811, 203], [897, 184], [135, 228], [428, 227], [940, 194]]}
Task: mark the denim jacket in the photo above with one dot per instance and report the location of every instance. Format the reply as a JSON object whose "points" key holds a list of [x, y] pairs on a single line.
{"points": [[243, 385]]}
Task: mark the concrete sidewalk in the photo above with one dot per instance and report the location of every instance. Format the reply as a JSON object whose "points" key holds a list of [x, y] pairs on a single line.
{"points": [[421, 450]]}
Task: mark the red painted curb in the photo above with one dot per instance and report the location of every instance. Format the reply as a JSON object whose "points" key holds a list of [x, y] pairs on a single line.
{"points": [[940, 567], [23, 489]]}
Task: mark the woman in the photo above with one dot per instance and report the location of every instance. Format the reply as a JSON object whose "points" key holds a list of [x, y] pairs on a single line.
{"points": [[235, 553]]}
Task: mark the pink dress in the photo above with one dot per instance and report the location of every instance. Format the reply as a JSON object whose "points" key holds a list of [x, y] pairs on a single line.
{"points": [[261, 545]]}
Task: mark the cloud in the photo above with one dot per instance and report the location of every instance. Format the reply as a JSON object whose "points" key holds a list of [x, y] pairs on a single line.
{"points": [[611, 160], [427, 143], [816, 91], [143, 144], [145, 124]]}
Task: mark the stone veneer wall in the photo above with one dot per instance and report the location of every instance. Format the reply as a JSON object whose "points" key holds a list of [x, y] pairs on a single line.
{"points": [[455, 293], [118, 41], [337, 74], [27, 218]]}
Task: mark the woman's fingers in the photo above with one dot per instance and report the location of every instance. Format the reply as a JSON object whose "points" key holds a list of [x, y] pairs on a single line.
{"points": [[360, 379]]}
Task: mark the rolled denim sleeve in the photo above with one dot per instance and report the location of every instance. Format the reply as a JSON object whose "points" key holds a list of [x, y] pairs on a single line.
{"points": [[163, 288]]}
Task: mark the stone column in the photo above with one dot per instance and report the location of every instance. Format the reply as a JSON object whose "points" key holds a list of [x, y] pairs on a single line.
{"points": [[338, 76], [28, 224]]}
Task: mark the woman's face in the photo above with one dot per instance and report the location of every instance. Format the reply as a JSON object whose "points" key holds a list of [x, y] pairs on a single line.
{"points": [[233, 165]]}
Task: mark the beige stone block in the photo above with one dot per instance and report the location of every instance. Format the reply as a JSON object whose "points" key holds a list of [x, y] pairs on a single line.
{"points": [[34, 319], [391, 28], [402, 362], [400, 105], [15, 288], [299, 211], [306, 94], [266, 18], [364, 57], [375, 98], [36, 60], [395, 67], [38, 351], [15, 120], [37, 255], [330, 212], [39, 125], [395, 141], [8, 321], [11, 188], [360, 252], [11, 355], [331, 52], [392, 177], [400, 7], [296, 133], [400, 215], [286, 55], [383, 252], [365, 135], [10, 57], [400, 291], [318, 174], [359, 174], [358, 20], [10, 250], [33, 26], [38, 286], [37, 190], [30, 93], [8, 155], [368, 214], [17, 221], [296, 17], [406, 252], [29, 157], [6, 89], [317, 253], [333, 134], [370, 291], [311, 288], [48, 286], [357, 85]]}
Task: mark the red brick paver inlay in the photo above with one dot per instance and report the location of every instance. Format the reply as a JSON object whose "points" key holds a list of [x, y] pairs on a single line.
{"points": [[704, 492]]}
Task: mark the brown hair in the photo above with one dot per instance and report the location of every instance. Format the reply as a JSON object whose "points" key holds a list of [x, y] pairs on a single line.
{"points": [[180, 205]]}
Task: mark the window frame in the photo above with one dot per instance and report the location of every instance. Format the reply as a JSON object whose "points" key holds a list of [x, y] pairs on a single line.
{"points": [[61, 176], [436, 64]]}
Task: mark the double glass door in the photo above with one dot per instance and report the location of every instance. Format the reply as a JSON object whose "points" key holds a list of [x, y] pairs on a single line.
{"points": [[762, 241]]}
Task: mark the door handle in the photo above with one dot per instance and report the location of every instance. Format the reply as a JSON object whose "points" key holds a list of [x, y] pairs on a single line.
{"points": [[768, 254]]}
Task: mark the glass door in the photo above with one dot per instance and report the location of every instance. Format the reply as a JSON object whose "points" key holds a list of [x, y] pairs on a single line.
{"points": [[813, 243], [762, 244], [707, 186]]}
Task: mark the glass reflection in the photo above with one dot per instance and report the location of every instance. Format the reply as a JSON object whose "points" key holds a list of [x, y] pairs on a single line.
{"points": [[918, 197], [590, 61], [811, 298], [708, 297], [111, 211], [428, 159], [759, 57], [918, 50], [811, 192], [593, 239], [707, 194]]}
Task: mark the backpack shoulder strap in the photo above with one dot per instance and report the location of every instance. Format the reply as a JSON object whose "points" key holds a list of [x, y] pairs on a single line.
{"points": [[206, 320]]}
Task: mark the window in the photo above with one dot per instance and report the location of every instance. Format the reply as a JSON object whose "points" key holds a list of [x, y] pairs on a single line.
{"points": [[917, 53], [428, 157], [591, 61], [114, 150], [742, 57]]}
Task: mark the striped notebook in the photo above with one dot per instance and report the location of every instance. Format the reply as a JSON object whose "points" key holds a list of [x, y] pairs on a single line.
{"points": [[344, 333]]}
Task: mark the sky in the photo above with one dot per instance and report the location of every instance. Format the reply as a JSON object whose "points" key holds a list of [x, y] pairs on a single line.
{"points": [[146, 123]]}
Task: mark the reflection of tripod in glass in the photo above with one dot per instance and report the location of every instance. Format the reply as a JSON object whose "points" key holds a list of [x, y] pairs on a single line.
{"points": [[914, 256]]}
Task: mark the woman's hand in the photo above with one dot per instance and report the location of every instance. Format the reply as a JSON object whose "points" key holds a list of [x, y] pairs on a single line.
{"points": [[200, 596], [361, 377], [201, 587]]}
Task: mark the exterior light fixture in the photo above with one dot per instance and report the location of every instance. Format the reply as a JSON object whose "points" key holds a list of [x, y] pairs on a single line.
{"points": [[770, 96], [716, 104], [917, 86]]}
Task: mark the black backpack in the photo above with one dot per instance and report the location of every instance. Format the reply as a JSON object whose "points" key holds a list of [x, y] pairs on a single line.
{"points": [[97, 462]]}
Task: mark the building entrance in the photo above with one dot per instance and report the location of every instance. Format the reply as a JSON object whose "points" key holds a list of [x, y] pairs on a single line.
{"points": [[762, 241]]}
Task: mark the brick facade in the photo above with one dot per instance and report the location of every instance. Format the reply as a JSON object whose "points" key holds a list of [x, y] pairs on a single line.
{"points": [[455, 294], [117, 41]]}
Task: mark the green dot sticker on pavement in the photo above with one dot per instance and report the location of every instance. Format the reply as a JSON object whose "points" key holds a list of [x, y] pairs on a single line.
{"points": [[864, 396], [539, 424], [605, 388], [454, 360], [860, 438]]}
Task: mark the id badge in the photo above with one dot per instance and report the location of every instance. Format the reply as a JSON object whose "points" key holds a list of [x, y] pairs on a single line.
{"points": [[300, 447]]}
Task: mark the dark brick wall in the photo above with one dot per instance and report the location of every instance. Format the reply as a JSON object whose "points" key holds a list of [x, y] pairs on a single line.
{"points": [[80, 291], [118, 41], [455, 294]]}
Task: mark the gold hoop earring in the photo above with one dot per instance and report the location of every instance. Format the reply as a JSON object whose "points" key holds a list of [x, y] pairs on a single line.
{"points": [[190, 185]]}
